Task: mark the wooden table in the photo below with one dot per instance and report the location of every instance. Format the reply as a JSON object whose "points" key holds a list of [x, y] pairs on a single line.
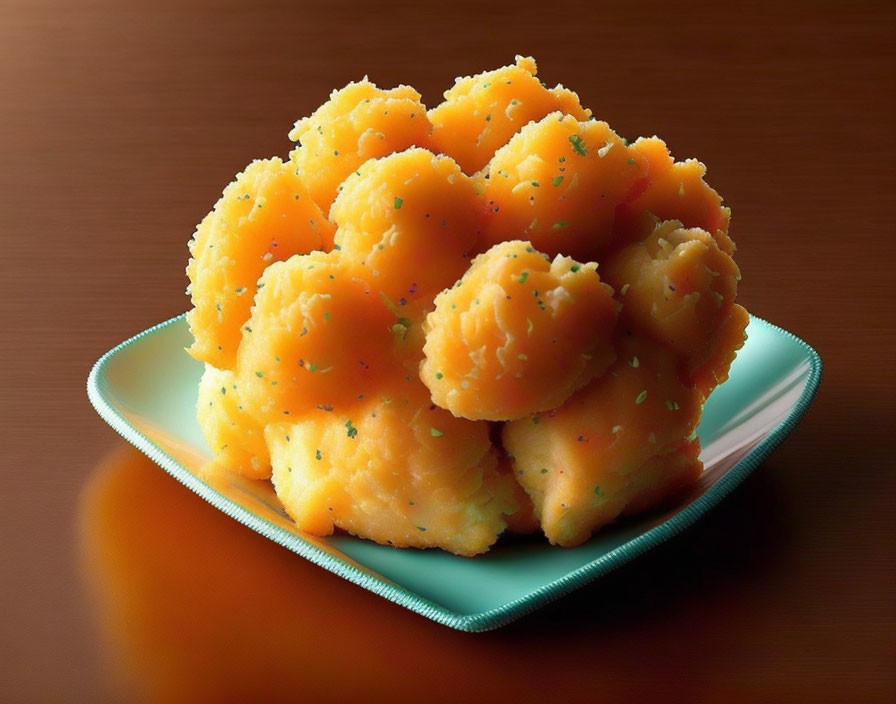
{"points": [[121, 122]]}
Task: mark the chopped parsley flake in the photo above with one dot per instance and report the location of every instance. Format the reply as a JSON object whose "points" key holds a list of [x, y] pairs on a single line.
{"points": [[398, 202], [402, 327], [557, 180], [351, 430], [641, 397], [439, 375], [523, 277], [259, 374], [435, 432], [578, 144], [560, 225], [522, 357], [598, 491], [317, 455], [574, 268], [635, 362]]}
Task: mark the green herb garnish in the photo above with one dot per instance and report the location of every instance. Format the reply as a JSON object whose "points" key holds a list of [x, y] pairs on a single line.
{"points": [[578, 144]]}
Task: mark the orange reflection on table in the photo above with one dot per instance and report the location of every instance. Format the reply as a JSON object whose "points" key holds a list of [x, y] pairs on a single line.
{"points": [[196, 607]]}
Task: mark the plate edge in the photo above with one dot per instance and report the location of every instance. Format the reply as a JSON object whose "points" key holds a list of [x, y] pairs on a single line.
{"points": [[606, 563], [499, 616]]}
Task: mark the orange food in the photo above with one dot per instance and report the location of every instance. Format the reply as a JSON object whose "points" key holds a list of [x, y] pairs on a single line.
{"points": [[675, 191], [393, 211], [264, 216], [625, 441], [357, 123], [558, 183], [431, 327], [481, 113], [678, 287], [395, 469], [317, 338], [518, 334], [235, 437]]}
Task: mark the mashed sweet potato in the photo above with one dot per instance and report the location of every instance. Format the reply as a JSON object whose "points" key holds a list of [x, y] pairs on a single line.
{"points": [[407, 223], [481, 113], [265, 215], [431, 327], [558, 182], [357, 123], [517, 334], [396, 469], [625, 441]]}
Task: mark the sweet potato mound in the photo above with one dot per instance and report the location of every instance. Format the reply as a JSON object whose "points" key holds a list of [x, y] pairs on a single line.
{"points": [[431, 327], [517, 334]]}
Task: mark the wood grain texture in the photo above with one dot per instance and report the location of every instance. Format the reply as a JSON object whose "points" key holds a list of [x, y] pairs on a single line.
{"points": [[120, 123]]}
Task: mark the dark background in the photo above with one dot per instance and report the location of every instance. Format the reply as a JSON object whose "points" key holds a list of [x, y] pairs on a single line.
{"points": [[120, 123]]}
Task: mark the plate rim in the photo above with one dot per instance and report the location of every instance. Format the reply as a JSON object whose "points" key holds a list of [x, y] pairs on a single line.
{"points": [[497, 616]]}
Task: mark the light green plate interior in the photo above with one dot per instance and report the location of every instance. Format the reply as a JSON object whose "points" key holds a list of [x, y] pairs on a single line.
{"points": [[146, 390]]}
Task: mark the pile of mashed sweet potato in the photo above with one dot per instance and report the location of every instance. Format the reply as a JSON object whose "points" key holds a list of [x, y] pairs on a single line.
{"points": [[432, 326]]}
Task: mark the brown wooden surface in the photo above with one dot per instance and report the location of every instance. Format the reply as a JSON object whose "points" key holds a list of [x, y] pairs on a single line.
{"points": [[119, 125]]}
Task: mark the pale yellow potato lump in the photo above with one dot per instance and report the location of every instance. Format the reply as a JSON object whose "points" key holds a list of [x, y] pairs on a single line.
{"points": [[395, 469], [623, 444], [230, 431]]}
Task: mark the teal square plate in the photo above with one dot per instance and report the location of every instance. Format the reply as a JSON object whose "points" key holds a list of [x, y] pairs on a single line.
{"points": [[146, 390]]}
